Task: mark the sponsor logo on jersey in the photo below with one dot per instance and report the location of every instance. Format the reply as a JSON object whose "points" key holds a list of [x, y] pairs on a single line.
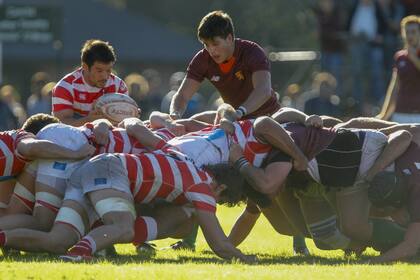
{"points": [[215, 78], [239, 75]]}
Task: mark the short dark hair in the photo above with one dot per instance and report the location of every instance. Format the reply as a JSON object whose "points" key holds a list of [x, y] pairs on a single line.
{"points": [[216, 23], [38, 121], [386, 189], [225, 174], [97, 50]]}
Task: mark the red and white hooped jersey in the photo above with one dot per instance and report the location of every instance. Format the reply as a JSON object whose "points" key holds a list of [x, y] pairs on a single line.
{"points": [[211, 145], [161, 176], [121, 142], [72, 92], [11, 162]]}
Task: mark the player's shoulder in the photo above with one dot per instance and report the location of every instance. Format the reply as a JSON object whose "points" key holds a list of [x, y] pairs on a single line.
{"points": [[248, 46], [71, 77]]}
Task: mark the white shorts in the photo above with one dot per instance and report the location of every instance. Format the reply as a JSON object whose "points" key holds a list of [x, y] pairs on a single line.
{"points": [[54, 173]]}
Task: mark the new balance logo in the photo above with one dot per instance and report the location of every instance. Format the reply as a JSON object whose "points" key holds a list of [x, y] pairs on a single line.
{"points": [[215, 78]]}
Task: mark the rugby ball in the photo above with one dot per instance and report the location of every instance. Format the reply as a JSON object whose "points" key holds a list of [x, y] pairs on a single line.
{"points": [[63, 135], [117, 107]]}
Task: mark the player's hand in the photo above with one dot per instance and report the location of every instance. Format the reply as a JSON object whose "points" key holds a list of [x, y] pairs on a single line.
{"points": [[96, 114], [235, 152], [300, 164], [176, 128], [227, 126], [314, 120], [175, 115], [101, 134], [86, 150]]}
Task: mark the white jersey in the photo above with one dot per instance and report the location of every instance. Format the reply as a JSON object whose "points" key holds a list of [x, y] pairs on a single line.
{"points": [[211, 145]]}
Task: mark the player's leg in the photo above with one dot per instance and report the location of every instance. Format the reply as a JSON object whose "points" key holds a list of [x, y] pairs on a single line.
{"points": [[70, 224], [117, 212], [6, 191]]}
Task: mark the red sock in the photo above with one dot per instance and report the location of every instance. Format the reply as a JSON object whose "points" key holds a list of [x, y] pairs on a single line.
{"points": [[145, 229], [85, 247], [2, 238]]}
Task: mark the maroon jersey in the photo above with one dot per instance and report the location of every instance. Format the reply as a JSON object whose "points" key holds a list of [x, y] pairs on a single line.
{"points": [[310, 140], [408, 166], [408, 95], [235, 86]]}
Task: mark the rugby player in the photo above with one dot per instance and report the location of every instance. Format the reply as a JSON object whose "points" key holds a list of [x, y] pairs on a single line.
{"points": [[75, 94]]}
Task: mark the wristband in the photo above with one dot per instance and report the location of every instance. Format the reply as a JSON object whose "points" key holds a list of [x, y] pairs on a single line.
{"points": [[241, 111], [240, 163]]}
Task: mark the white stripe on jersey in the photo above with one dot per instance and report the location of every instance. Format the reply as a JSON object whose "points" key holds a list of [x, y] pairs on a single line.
{"points": [[177, 180], [194, 173], [83, 106], [8, 158], [201, 197], [157, 183], [58, 100], [66, 86], [240, 135]]}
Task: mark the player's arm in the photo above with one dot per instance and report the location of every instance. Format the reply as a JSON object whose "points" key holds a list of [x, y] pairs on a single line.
{"points": [[366, 123], [100, 130], [266, 180], [243, 226], [217, 239], [31, 148], [269, 131], [182, 96], [178, 127], [398, 142], [285, 115], [261, 80], [389, 105], [145, 136], [406, 249]]}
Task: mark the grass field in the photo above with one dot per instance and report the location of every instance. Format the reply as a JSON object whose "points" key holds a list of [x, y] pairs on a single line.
{"points": [[274, 251]]}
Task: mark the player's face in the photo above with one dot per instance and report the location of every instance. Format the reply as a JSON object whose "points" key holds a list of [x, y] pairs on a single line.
{"points": [[97, 74], [412, 34], [220, 49]]}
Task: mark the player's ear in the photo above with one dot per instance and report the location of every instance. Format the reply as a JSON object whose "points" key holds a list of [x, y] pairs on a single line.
{"points": [[85, 67]]}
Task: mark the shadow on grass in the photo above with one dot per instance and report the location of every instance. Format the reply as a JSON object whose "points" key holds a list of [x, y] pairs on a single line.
{"points": [[202, 257]]}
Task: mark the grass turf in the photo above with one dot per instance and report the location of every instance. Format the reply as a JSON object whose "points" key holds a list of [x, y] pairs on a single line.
{"points": [[274, 251]]}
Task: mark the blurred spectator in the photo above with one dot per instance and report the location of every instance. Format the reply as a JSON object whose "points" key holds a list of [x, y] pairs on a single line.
{"points": [[322, 98], [195, 105], [8, 121], [366, 26], [10, 96], [412, 7], [403, 99], [332, 32], [155, 94], [138, 88], [393, 12], [36, 103], [291, 97]]}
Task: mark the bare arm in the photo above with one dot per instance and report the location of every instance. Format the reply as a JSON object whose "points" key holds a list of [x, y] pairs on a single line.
{"points": [[364, 122], [32, 148], [266, 180], [145, 136], [182, 96], [67, 117], [406, 249], [398, 142], [389, 105], [271, 132], [178, 127], [242, 227], [285, 115], [217, 239], [101, 128], [261, 80]]}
